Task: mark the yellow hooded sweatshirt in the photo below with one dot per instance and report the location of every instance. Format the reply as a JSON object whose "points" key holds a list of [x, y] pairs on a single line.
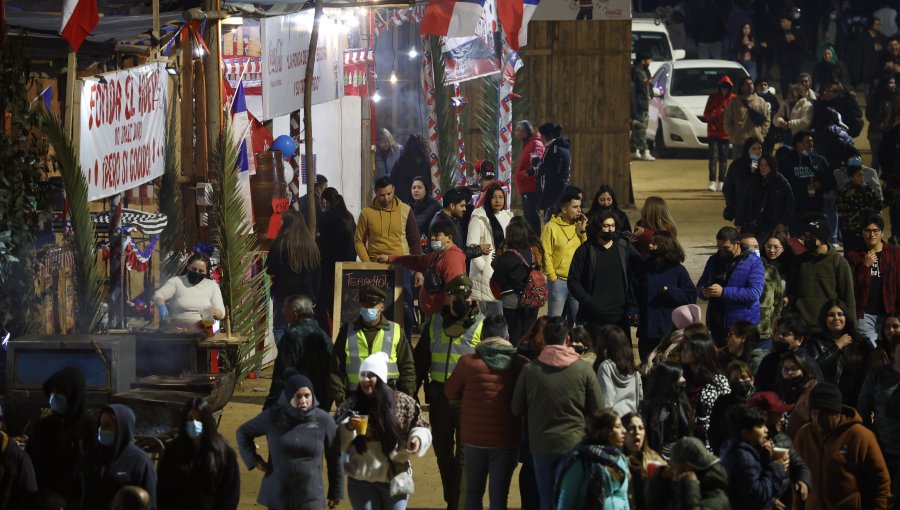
{"points": [[385, 231], [560, 240]]}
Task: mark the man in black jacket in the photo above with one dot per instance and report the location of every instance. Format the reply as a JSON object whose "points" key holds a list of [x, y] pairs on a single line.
{"points": [[790, 44], [454, 207], [640, 105], [810, 178]]}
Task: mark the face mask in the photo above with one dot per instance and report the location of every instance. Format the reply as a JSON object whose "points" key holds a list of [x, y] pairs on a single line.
{"points": [[459, 308], [195, 278], [754, 157], [754, 251], [607, 236], [804, 153], [725, 255], [437, 246], [369, 314], [810, 245], [854, 161], [106, 437], [194, 429], [58, 403], [741, 388]]}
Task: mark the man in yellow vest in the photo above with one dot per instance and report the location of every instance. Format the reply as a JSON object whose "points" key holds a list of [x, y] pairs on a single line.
{"points": [[368, 334], [452, 332]]}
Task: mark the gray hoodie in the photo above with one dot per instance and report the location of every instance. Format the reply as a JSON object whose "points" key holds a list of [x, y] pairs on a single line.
{"points": [[620, 392]]}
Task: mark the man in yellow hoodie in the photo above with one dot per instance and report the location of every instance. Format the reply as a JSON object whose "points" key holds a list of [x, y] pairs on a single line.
{"points": [[562, 235], [388, 227]]}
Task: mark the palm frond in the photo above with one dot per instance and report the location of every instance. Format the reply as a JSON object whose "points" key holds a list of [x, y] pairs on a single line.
{"points": [[448, 156], [171, 254], [89, 286], [243, 284], [487, 116]]}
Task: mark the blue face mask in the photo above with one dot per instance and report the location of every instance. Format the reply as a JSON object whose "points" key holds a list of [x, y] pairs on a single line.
{"points": [[194, 429], [58, 403], [106, 437], [754, 157], [855, 161], [437, 246], [369, 314]]}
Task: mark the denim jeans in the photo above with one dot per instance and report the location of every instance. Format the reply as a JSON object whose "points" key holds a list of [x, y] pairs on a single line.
{"points": [[718, 153], [558, 298], [373, 496], [482, 463], [545, 475], [870, 326]]}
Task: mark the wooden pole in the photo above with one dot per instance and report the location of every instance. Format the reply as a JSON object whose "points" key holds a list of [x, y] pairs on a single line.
{"points": [[307, 118], [212, 69], [70, 94], [154, 53]]}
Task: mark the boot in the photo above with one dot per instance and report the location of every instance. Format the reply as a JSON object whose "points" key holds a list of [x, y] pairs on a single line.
{"points": [[712, 186], [637, 154], [648, 156]]}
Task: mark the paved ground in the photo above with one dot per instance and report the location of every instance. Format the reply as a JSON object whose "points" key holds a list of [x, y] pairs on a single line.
{"points": [[698, 213]]}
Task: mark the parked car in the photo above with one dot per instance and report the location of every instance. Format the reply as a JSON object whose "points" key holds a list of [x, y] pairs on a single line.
{"points": [[680, 91], [651, 34]]}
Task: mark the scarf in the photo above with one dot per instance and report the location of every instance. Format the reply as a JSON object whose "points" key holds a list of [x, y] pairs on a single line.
{"points": [[597, 458]]}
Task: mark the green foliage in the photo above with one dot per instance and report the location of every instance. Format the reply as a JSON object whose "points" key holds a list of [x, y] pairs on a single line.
{"points": [[487, 111], [89, 286], [448, 153], [243, 289], [171, 254], [22, 155]]}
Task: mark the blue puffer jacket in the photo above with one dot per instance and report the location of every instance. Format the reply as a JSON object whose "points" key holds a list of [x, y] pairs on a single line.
{"points": [[652, 305], [753, 481], [741, 293]]}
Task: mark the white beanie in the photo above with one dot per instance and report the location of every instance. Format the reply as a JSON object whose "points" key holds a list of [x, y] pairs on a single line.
{"points": [[377, 364]]}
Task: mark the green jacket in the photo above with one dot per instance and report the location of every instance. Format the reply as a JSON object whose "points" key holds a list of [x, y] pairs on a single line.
{"points": [[708, 493], [770, 303], [818, 279]]}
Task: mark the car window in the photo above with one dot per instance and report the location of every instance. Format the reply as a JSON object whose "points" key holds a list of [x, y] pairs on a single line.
{"points": [[701, 81], [657, 43]]}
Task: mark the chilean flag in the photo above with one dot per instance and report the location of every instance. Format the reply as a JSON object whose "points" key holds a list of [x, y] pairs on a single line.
{"points": [[452, 18], [514, 16], [246, 161], [79, 18]]}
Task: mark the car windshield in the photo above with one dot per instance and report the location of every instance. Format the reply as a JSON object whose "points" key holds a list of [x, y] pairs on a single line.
{"points": [[702, 81], [657, 43]]}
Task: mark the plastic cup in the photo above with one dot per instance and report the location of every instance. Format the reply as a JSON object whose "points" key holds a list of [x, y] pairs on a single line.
{"points": [[651, 467], [810, 191], [779, 453], [363, 424]]}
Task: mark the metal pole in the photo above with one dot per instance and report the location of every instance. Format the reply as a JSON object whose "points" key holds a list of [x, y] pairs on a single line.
{"points": [[307, 118]]}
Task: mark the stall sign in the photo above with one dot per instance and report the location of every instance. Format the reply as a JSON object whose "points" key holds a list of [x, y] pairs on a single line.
{"points": [[123, 129], [285, 43]]}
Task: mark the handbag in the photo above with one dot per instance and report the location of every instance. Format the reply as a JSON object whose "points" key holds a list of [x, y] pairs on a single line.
{"points": [[402, 483], [433, 282]]}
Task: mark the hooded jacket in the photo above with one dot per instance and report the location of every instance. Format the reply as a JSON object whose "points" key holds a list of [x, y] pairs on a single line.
{"points": [[106, 469], [818, 279], [560, 240], [800, 170], [556, 392], [60, 441], [754, 481], [390, 230], [738, 124], [714, 113], [848, 469], [17, 480], [737, 179], [528, 183], [484, 382], [798, 115], [554, 171], [198, 479], [622, 393], [481, 270], [741, 291], [707, 493], [651, 304], [768, 202]]}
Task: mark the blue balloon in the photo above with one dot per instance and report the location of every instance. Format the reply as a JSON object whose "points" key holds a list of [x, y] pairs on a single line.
{"points": [[286, 145]]}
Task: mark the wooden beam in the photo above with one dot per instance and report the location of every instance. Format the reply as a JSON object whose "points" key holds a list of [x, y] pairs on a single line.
{"points": [[307, 119]]}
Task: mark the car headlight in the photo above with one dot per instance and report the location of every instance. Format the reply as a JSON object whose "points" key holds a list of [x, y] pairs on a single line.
{"points": [[674, 112]]}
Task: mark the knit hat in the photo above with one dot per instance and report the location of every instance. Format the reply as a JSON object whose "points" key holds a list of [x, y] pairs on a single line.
{"points": [[691, 451], [826, 397], [293, 381], [377, 364], [685, 315], [769, 402], [817, 226]]}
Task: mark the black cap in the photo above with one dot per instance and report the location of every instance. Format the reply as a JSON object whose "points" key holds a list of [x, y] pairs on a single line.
{"points": [[370, 294]]}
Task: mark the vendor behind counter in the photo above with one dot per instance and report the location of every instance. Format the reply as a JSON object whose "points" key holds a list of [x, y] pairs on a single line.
{"points": [[185, 298]]}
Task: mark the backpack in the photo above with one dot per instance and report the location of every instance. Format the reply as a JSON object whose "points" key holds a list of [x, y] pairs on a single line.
{"points": [[535, 292]]}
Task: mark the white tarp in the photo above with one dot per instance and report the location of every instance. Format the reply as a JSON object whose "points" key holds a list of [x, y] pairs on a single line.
{"points": [[123, 129], [285, 44]]}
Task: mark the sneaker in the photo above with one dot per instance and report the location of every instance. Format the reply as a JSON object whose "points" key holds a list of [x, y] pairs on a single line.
{"points": [[648, 156], [721, 186], [712, 186], [637, 154]]}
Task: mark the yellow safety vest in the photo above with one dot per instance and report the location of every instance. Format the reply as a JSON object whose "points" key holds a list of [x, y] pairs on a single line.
{"points": [[359, 350], [446, 351]]}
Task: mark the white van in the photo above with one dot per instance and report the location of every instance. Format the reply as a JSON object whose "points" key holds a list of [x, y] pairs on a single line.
{"points": [[650, 34]]}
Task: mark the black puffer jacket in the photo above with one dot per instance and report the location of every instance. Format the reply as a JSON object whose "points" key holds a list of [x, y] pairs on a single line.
{"points": [[554, 171], [17, 481], [768, 201]]}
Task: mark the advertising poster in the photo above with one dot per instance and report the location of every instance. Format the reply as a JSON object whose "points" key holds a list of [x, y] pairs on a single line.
{"points": [[467, 58]]}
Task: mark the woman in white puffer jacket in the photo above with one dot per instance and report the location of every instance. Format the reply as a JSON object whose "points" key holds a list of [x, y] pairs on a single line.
{"points": [[487, 226]]}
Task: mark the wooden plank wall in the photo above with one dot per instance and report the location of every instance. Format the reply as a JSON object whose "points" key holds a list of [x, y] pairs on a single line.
{"points": [[578, 76]]}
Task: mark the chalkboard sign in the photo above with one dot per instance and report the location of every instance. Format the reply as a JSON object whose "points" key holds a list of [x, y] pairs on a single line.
{"points": [[349, 277]]}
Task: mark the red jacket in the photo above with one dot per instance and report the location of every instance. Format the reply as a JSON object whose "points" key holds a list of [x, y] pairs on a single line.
{"points": [[714, 113], [451, 264], [486, 393], [528, 183], [889, 263]]}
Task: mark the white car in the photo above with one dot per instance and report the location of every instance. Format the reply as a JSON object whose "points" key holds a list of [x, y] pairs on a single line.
{"points": [[651, 35], [680, 91]]}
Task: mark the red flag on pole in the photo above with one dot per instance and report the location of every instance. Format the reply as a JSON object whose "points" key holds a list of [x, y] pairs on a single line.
{"points": [[78, 21]]}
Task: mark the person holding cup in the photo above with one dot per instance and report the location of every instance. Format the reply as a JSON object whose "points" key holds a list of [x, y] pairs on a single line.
{"points": [[757, 470], [810, 178], [642, 460], [380, 430]]}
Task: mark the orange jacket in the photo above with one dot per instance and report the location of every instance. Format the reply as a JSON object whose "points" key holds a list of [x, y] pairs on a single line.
{"points": [[714, 113]]}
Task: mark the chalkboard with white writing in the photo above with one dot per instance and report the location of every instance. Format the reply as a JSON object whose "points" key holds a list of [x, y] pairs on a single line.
{"points": [[349, 277]]}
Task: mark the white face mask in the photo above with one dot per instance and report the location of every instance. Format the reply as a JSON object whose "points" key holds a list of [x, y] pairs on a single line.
{"points": [[437, 246]]}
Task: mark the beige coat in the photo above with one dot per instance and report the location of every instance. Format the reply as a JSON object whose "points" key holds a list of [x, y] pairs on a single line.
{"points": [[799, 118], [737, 121]]}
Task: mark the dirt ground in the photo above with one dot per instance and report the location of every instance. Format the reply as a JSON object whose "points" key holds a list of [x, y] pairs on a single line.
{"points": [[698, 213]]}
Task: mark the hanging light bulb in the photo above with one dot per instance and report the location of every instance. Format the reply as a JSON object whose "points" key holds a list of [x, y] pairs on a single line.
{"points": [[413, 53], [393, 78], [376, 97]]}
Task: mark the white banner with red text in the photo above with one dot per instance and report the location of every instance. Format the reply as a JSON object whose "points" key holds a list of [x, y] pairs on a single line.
{"points": [[123, 129]]}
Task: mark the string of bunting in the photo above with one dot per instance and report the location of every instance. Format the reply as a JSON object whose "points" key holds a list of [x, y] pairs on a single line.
{"points": [[459, 102], [430, 107], [397, 18]]}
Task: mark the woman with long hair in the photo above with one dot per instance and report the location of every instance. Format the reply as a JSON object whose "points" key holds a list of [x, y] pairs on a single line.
{"points": [[605, 200], [840, 350], [705, 382], [595, 473], [655, 217], [488, 226], [335, 240], [660, 284], [422, 204], [828, 69], [294, 264], [741, 344], [666, 409], [380, 430], [413, 162], [620, 382], [198, 470], [796, 378], [768, 201], [299, 434], [640, 455], [387, 153], [511, 270]]}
